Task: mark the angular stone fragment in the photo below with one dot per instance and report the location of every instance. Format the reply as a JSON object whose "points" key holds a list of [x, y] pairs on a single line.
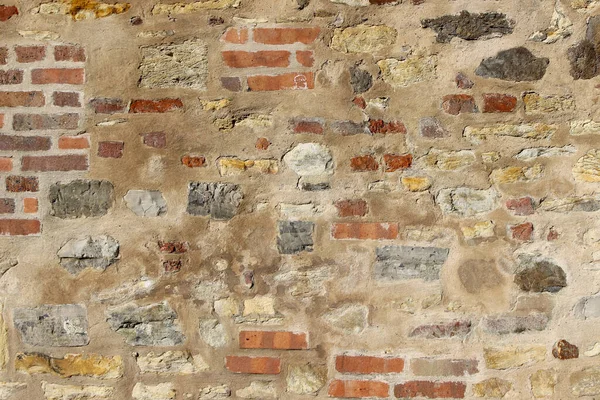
{"points": [[542, 383], [517, 174], [295, 236], [564, 350], [348, 319], [219, 200], [492, 388], [560, 27], [306, 379], [258, 390], [513, 356], [89, 252], [171, 363], [449, 160], [91, 365], [353, 3], [506, 324], [414, 69], [538, 275], [406, 262], [442, 330], [186, 8], [536, 152], [584, 127], [593, 351], [587, 168], [574, 203], [63, 325], [53, 391], [162, 391], [535, 131], [535, 103], [469, 26], [214, 392], [431, 128], [360, 80], [466, 202], [309, 159], [151, 325], [516, 64], [81, 198], [213, 333], [585, 382], [479, 230], [363, 39], [146, 203], [479, 275]]}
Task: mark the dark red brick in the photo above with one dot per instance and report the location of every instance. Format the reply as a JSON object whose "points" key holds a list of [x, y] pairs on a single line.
{"points": [[69, 76], [66, 99], [24, 143], [262, 143], [380, 126], [305, 58], [7, 12], [498, 103], [521, 206], [431, 390], [69, 53], [394, 162], [55, 163], [19, 227], [157, 140], [155, 106], [111, 149], [7, 206], [11, 77], [173, 247], [564, 350], [351, 208], [307, 125], [459, 104], [368, 364], [193, 161], [522, 231], [245, 59], [171, 266], [360, 102], [27, 54], [3, 55], [231, 83], [18, 184], [103, 105]]}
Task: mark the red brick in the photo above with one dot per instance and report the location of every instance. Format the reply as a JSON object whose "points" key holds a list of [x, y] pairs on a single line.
{"points": [[55, 163], [7, 12], [171, 266], [498, 103], [521, 206], [30, 205], [380, 126], [24, 143], [293, 81], [19, 227], [69, 76], [351, 208], [32, 122], [66, 99], [193, 161], [157, 140], [22, 99], [235, 35], [69, 53], [277, 340], [459, 104], [155, 106], [304, 125], [431, 390], [244, 59], [18, 184], [395, 162], [522, 231], [368, 364], [358, 389], [305, 58], [173, 247], [231, 83], [365, 230], [7, 206], [103, 105], [285, 35], [364, 163], [262, 143], [1, 120], [73, 142], [253, 365], [3, 55], [111, 149], [11, 77], [27, 54], [5, 164]]}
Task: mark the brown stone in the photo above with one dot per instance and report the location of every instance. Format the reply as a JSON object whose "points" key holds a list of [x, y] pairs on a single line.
{"points": [[564, 350]]}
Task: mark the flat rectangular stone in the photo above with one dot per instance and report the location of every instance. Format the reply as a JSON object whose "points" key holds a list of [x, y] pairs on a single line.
{"points": [[408, 262], [63, 325]]}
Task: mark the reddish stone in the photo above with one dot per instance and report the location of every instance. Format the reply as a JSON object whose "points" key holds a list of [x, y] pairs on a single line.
{"points": [[157, 140], [262, 143], [22, 184], [395, 162], [111, 149], [368, 364], [193, 161], [351, 208], [7, 12], [380, 126], [232, 83], [173, 247], [564, 350], [498, 103], [102, 105], [303, 125], [521, 206], [66, 99], [276, 340], [552, 234], [364, 163], [459, 104], [360, 102], [462, 81], [522, 231]]}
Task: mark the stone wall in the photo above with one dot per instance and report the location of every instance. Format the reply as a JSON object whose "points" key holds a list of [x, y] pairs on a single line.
{"points": [[297, 199]]}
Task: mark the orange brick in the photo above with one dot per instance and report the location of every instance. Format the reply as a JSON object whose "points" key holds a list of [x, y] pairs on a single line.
{"points": [[19, 227], [236, 35], [365, 230], [73, 142], [305, 58], [286, 35], [364, 163], [279, 340], [30, 205], [155, 106], [253, 365], [293, 81], [395, 162], [368, 364], [6, 164], [1, 120], [245, 59], [70, 76], [358, 389]]}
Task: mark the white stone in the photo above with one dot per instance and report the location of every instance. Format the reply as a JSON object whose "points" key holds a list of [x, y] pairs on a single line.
{"points": [[258, 390], [309, 159], [213, 333], [162, 391], [171, 363], [261, 305], [146, 203]]}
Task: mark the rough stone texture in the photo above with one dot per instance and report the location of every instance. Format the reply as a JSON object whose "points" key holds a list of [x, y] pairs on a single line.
{"points": [[360, 79], [505, 324], [309, 159], [525, 131], [510, 357], [92, 365], [54, 391], [306, 379], [543, 382], [404, 262], [52, 325], [295, 236], [363, 39], [213, 333], [171, 363], [466, 202], [219, 200], [162, 391], [402, 73], [258, 390], [516, 64], [469, 26], [146, 203], [81, 199], [89, 252], [585, 382], [587, 168], [564, 350], [430, 127], [348, 319], [492, 387], [540, 276]]}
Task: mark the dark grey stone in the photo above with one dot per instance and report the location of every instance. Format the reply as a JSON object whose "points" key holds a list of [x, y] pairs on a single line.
{"points": [[89, 252], [407, 262], [151, 325], [302, 4], [360, 79], [505, 324], [584, 60], [63, 325], [516, 64], [539, 275], [295, 236], [81, 198], [219, 200], [469, 26]]}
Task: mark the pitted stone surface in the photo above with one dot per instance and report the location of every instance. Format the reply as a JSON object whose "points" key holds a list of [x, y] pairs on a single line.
{"points": [[63, 325], [96, 252]]}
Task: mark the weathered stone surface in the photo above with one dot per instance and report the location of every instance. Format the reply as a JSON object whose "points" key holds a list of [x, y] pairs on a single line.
{"points": [[162, 391], [227, 308], [360, 79], [9, 389], [585, 382], [214, 392], [416, 183], [349, 318], [306, 379], [82, 10], [127, 291], [234, 166], [536, 152], [584, 127], [449, 160], [62, 325], [349, 128], [295, 236], [219, 200], [151, 325], [517, 174], [505, 324], [414, 69], [186, 8], [442, 330], [96, 252], [479, 275], [492, 387], [466, 202], [309, 159], [516, 64], [560, 27], [432, 128], [588, 307], [406, 262], [513, 356], [258, 390], [584, 60], [587, 168], [539, 275], [81, 198], [542, 383], [443, 367], [469, 26], [363, 39], [479, 230], [146, 203], [536, 103], [260, 305], [525, 131], [91, 365], [304, 283], [171, 363], [53, 391], [574, 203], [564, 350], [213, 333]]}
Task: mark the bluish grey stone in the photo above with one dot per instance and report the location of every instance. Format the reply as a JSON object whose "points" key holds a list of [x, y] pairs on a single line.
{"points": [[295, 236], [63, 325], [81, 198], [219, 200]]}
